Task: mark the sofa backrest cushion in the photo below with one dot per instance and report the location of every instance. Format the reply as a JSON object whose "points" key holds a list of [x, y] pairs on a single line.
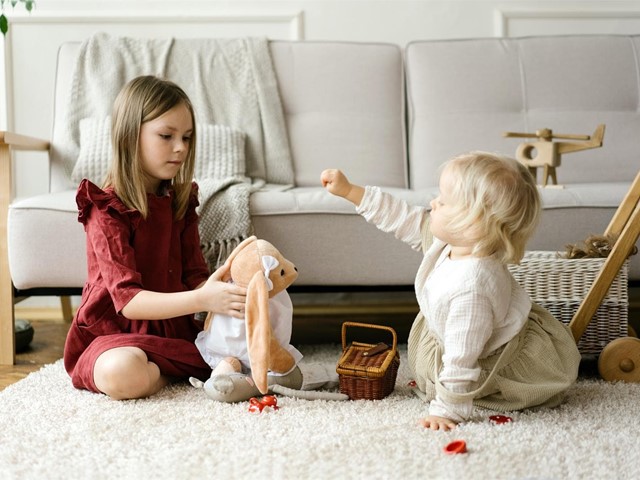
{"points": [[344, 108], [463, 94], [343, 104]]}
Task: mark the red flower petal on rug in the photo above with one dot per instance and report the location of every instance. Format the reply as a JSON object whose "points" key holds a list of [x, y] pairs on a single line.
{"points": [[457, 446], [500, 419]]}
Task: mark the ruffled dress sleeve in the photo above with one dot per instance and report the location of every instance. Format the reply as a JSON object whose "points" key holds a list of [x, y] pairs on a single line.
{"points": [[109, 226], [90, 195]]}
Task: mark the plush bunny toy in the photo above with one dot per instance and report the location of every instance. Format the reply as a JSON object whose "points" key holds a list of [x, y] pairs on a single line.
{"points": [[253, 355]]}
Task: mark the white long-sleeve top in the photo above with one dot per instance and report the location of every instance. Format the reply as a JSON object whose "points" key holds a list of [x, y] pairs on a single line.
{"points": [[474, 306]]}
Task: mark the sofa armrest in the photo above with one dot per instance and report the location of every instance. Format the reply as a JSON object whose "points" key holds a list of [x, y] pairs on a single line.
{"points": [[8, 142], [16, 141]]}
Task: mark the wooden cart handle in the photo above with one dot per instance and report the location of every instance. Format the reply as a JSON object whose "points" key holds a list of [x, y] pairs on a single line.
{"points": [[626, 223], [367, 325]]}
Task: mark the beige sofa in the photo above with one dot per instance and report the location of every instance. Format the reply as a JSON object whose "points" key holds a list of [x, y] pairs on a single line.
{"points": [[387, 116]]}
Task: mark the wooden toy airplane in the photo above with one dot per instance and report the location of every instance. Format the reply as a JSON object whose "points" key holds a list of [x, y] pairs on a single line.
{"points": [[547, 154]]}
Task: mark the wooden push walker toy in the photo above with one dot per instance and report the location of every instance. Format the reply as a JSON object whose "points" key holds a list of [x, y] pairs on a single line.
{"points": [[620, 359], [547, 154]]}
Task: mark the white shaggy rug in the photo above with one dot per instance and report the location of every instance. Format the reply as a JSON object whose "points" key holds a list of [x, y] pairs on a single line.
{"points": [[48, 430]]}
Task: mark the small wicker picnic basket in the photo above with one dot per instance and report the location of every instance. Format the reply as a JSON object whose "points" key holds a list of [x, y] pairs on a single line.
{"points": [[368, 371]]}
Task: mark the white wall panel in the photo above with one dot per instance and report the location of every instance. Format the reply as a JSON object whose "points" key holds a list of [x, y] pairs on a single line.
{"points": [[534, 21]]}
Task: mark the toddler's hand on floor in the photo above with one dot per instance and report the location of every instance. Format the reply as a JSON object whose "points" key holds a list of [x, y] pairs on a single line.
{"points": [[438, 423]]}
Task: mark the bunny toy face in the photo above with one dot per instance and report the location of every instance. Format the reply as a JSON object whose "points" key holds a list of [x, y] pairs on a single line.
{"points": [[262, 256]]}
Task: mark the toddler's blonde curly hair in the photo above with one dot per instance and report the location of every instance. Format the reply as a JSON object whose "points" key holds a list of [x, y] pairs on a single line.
{"points": [[497, 198]]}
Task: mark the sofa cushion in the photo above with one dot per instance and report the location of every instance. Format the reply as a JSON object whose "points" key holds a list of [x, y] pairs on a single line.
{"points": [[463, 94], [95, 150], [344, 108]]}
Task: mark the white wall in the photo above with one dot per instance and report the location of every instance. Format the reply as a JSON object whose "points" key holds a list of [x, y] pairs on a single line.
{"points": [[27, 62]]}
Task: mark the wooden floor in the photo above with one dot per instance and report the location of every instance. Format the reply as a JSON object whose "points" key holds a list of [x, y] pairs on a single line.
{"points": [[46, 347]]}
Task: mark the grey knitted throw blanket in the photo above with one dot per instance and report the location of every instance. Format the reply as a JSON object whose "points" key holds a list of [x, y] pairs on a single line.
{"points": [[231, 83]]}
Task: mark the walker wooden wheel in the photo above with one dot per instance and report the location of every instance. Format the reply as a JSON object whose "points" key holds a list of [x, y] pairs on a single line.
{"points": [[620, 360]]}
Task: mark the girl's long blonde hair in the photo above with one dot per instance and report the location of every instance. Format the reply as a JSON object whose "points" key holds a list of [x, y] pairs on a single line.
{"points": [[143, 99], [497, 199]]}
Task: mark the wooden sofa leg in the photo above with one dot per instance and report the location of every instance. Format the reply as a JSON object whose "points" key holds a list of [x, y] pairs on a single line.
{"points": [[67, 310], [7, 326]]}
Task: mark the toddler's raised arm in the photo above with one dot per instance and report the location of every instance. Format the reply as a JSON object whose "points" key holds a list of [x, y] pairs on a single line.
{"points": [[338, 184]]}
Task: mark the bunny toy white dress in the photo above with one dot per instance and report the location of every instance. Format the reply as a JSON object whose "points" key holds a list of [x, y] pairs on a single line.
{"points": [[227, 336]]}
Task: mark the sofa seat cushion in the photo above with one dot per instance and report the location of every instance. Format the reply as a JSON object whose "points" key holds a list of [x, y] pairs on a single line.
{"points": [[300, 200], [46, 242], [322, 233], [318, 230], [599, 195], [314, 229]]}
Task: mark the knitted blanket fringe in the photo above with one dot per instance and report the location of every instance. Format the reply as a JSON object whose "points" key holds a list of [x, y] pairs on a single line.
{"points": [[217, 251]]}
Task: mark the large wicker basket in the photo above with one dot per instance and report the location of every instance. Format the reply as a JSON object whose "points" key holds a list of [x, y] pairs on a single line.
{"points": [[365, 370], [560, 284]]}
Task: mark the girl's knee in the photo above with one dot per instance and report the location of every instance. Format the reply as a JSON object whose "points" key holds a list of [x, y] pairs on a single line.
{"points": [[125, 373]]}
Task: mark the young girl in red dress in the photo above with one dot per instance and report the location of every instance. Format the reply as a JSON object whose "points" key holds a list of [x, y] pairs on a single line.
{"points": [[135, 329]]}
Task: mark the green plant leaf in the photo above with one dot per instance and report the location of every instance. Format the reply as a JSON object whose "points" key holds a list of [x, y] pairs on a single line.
{"points": [[4, 24], [28, 4]]}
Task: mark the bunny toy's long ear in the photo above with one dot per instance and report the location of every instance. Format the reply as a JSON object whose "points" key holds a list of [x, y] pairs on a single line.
{"points": [[258, 329]]}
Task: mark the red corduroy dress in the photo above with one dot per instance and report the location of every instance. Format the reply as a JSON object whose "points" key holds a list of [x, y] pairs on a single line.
{"points": [[127, 254]]}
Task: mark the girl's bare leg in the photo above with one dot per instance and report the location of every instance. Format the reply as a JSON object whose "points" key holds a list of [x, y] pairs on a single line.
{"points": [[126, 373]]}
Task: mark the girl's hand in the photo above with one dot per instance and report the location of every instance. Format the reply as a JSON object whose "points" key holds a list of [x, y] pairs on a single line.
{"points": [[223, 273], [438, 423], [335, 182], [220, 296]]}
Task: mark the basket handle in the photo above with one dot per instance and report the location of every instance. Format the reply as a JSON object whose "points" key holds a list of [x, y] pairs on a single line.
{"points": [[367, 325]]}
